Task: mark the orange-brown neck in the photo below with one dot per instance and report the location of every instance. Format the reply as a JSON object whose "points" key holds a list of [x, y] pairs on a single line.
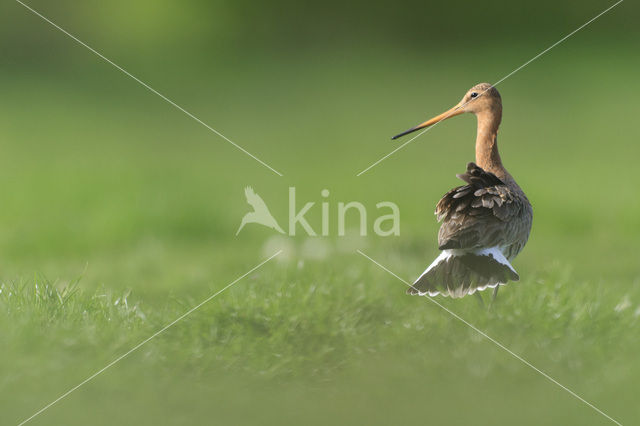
{"points": [[487, 155]]}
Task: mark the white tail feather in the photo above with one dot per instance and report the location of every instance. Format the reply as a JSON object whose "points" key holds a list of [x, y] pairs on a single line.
{"points": [[457, 272]]}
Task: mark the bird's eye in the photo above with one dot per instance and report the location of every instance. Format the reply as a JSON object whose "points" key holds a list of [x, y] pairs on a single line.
{"points": [[474, 95]]}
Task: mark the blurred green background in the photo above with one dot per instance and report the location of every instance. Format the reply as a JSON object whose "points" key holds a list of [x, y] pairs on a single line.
{"points": [[119, 212]]}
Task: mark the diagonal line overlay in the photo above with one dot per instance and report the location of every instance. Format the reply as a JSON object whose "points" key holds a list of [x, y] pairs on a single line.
{"points": [[136, 347], [146, 86], [494, 85], [500, 345]]}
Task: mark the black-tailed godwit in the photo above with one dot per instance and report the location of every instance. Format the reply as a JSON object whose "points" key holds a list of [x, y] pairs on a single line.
{"points": [[485, 223]]}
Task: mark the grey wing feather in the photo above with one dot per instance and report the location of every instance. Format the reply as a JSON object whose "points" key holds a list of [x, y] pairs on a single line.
{"points": [[482, 213]]}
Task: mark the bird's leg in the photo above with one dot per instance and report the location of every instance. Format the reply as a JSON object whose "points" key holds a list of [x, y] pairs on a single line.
{"points": [[494, 295], [479, 298]]}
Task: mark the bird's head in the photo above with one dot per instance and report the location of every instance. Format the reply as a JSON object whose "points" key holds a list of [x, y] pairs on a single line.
{"points": [[480, 99]]}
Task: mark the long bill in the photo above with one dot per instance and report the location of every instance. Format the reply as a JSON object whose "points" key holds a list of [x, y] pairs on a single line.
{"points": [[456, 110]]}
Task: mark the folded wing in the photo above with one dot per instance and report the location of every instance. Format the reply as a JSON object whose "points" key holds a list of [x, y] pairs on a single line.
{"points": [[482, 213]]}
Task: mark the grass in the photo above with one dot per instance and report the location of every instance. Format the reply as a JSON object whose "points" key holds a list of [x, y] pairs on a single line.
{"points": [[104, 181], [288, 325]]}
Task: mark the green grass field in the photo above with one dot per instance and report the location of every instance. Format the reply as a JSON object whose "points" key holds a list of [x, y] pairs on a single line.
{"points": [[119, 214]]}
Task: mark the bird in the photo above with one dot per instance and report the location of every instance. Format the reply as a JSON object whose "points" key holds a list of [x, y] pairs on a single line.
{"points": [[487, 221], [260, 213]]}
